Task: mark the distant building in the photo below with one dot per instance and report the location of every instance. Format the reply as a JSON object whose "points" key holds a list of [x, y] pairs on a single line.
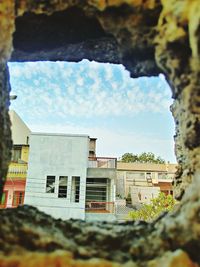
{"points": [[144, 181], [66, 180], [14, 188], [20, 131], [92, 147]]}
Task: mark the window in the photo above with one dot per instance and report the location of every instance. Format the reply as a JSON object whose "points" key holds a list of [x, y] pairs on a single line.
{"points": [[97, 181], [16, 154], [96, 189], [62, 187], [162, 175], [75, 193], [148, 176], [50, 186], [18, 198]]}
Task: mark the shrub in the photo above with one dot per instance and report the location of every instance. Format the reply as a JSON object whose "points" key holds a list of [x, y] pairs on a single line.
{"points": [[149, 212]]}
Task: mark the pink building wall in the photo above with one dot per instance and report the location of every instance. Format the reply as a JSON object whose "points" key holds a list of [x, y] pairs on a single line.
{"points": [[12, 187]]}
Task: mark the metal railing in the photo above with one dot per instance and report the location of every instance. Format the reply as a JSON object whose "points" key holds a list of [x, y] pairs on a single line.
{"points": [[100, 207], [101, 162], [122, 212]]}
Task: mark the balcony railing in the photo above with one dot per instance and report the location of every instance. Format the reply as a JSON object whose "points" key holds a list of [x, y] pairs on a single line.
{"points": [[101, 162], [18, 168], [100, 207]]}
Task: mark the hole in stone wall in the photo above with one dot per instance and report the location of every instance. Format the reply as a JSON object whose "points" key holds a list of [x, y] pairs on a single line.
{"points": [[121, 38], [100, 100]]}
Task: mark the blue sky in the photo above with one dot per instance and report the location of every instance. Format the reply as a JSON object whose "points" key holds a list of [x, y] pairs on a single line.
{"points": [[98, 99]]}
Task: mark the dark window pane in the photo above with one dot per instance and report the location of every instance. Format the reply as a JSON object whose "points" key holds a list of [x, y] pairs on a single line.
{"points": [[50, 186], [18, 198], [16, 154], [62, 188], [75, 193]]}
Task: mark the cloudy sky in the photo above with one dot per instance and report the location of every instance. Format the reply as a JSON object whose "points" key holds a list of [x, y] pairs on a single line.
{"points": [[101, 100]]}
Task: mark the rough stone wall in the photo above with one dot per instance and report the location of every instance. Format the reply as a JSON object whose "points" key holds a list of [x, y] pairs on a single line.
{"points": [[177, 54], [149, 36], [6, 30], [41, 239], [5, 134]]}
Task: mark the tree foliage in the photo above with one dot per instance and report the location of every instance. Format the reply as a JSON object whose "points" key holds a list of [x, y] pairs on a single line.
{"points": [[149, 212], [145, 157]]}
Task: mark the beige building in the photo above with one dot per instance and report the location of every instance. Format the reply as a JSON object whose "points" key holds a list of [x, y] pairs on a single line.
{"points": [[20, 131], [144, 180]]}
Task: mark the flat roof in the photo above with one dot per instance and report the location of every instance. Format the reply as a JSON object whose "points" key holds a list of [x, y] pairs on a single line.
{"points": [[60, 134], [165, 167]]}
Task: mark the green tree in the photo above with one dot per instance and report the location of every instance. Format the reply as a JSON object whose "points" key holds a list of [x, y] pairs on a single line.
{"points": [[145, 157], [149, 212], [129, 157]]}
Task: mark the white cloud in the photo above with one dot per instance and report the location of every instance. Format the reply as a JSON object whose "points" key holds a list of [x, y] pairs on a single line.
{"points": [[76, 96], [51, 93]]}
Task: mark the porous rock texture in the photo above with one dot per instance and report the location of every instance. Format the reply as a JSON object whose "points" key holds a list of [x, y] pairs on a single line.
{"points": [[148, 37]]}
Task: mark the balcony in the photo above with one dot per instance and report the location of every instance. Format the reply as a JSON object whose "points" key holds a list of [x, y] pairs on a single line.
{"points": [[166, 177], [102, 162], [17, 170], [100, 207]]}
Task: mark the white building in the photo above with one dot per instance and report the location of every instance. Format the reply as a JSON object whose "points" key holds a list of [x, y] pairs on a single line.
{"points": [[65, 182]]}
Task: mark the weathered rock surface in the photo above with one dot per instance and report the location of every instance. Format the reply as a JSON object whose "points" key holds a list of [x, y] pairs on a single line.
{"points": [[148, 37], [5, 134], [126, 244], [58, 36]]}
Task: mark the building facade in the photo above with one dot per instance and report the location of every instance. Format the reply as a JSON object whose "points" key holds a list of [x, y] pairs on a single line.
{"points": [[14, 188], [65, 178], [144, 181]]}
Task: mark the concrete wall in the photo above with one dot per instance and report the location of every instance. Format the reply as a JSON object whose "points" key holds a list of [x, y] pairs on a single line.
{"points": [[120, 183], [92, 147], [25, 153], [57, 155], [146, 194], [101, 173]]}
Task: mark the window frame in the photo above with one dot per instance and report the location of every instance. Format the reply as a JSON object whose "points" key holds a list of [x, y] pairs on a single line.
{"points": [[54, 184], [59, 186]]}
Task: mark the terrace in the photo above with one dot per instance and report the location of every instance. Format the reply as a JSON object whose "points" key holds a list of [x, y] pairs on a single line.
{"points": [[102, 162]]}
